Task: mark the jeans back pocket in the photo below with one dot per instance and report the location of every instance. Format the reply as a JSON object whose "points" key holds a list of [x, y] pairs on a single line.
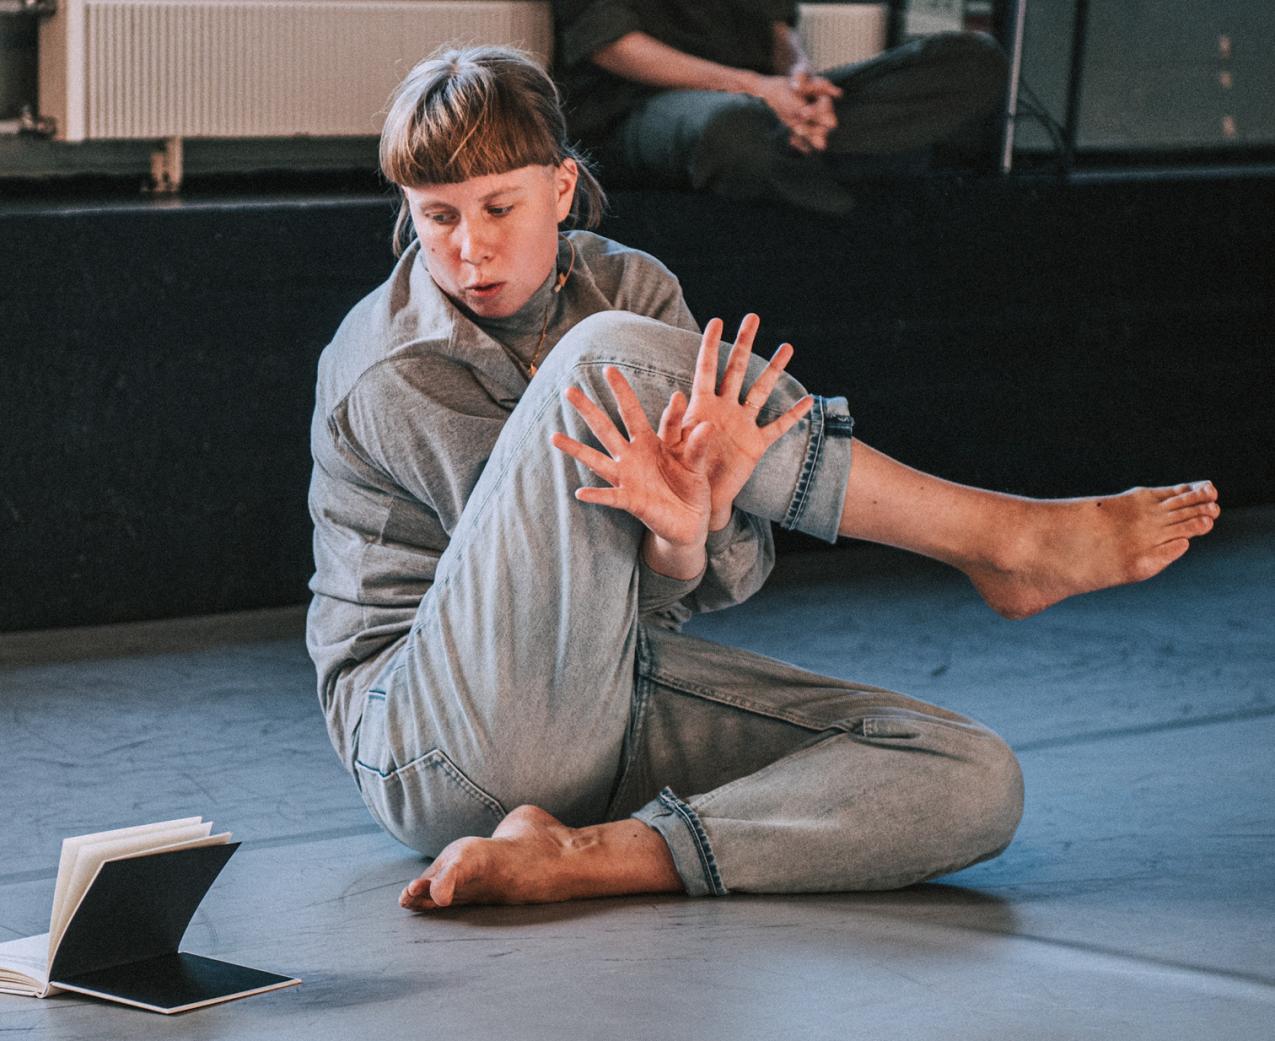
{"points": [[424, 799]]}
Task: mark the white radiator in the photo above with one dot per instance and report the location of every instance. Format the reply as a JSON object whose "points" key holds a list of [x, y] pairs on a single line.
{"points": [[149, 69], [252, 68], [835, 34]]}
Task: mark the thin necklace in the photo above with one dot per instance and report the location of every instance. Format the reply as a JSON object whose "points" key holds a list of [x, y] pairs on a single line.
{"points": [[544, 329]]}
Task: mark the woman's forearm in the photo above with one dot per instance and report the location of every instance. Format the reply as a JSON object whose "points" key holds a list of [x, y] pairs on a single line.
{"points": [[640, 57]]}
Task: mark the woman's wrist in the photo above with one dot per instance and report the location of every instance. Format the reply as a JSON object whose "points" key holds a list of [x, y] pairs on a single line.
{"points": [[718, 519], [681, 562]]}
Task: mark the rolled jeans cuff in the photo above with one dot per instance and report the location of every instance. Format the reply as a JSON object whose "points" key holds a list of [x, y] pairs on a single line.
{"points": [[819, 496], [687, 842]]}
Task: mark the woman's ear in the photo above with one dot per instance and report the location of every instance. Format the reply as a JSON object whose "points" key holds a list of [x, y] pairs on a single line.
{"points": [[565, 175]]}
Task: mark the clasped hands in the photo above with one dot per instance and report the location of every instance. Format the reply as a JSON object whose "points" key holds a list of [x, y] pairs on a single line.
{"points": [[803, 102], [681, 480]]}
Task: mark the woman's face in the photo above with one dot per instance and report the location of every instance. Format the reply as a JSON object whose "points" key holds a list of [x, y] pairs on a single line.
{"points": [[491, 241]]}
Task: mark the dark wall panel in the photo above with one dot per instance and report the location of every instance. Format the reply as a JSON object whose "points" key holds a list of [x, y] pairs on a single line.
{"points": [[160, 372]]}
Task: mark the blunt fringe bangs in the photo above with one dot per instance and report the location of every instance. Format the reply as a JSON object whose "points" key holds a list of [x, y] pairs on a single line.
{"points": [[475, 111]]}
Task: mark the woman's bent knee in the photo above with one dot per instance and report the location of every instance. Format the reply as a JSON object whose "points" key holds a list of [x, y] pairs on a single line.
{"points": [[998, 796], [621, 337]]}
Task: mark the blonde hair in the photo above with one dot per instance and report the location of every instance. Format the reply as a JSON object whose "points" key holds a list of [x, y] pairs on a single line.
{"points": [[473, 111]]}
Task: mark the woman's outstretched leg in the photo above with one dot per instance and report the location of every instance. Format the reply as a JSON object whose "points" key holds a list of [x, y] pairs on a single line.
{"points": [[1024, 555]]}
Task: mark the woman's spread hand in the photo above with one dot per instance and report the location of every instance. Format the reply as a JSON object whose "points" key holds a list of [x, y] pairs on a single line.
{"points": [[659, 478], [739, 440]]}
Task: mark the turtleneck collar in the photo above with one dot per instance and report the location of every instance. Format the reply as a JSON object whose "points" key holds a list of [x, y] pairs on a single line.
{"points": [[532, 329], [528, 320]]}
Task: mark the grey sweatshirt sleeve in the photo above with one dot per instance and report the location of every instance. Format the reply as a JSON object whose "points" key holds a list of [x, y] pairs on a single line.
{"points": [[648, 288], [740, 558], [426, 426]]}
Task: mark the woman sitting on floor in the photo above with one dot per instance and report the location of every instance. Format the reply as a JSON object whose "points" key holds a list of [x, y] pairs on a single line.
{"points": [[506, 544]]}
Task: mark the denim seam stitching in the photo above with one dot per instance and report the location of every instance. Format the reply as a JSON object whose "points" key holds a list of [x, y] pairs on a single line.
{"points": [[641, 698], [702, 847], [673, 683], [801, 493], [679, 379], [972, 726]]}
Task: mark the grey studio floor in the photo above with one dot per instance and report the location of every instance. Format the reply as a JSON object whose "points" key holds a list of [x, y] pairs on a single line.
{"points": [[1137, 901]]}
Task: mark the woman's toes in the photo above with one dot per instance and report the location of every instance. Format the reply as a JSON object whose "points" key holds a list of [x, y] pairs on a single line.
{"points": [[1179, 500], [1190, 527], [1153, 563], [1204, 496]]}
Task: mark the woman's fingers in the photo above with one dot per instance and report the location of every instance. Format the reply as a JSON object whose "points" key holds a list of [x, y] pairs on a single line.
{"points": [[635, 421], [613, 497], [737, 366], [772, 432], [698, 446], [704, 383], [600, 464], [759, 393], [818, 86], [671, 419], [798, 141], [597, 420]]}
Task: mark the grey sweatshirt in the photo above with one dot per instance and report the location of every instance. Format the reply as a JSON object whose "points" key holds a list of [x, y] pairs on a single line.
{"points": [[411, 396]]}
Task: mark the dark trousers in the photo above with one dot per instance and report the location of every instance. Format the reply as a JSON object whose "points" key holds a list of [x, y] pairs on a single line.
{"points": [[895, 107]]}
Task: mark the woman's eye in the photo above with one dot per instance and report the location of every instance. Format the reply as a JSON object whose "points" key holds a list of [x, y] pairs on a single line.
{"points": [[498, 211]]}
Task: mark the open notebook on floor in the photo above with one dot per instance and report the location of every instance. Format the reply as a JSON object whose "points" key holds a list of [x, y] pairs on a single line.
{"points": [[121, 904]]}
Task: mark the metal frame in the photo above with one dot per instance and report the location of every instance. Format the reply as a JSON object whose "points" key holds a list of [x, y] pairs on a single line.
{"points": [[1017, 22]]}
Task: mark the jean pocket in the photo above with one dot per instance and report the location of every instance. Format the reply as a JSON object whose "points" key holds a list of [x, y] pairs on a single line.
{"points": [[425, 801]]}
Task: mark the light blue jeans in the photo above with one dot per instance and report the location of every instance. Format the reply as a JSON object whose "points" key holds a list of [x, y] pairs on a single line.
{"points": [[529, 677]]}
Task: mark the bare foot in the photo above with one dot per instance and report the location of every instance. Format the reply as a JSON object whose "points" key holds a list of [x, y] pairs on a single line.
{"points": [[1063, 547], [533, 858]]}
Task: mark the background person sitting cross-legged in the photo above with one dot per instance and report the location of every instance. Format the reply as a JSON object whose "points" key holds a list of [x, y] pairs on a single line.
{"points": [[720, 95]]}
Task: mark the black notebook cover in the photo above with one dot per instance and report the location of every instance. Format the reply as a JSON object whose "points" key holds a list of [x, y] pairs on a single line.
{"points": [[176, 982], [122, 940]]}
